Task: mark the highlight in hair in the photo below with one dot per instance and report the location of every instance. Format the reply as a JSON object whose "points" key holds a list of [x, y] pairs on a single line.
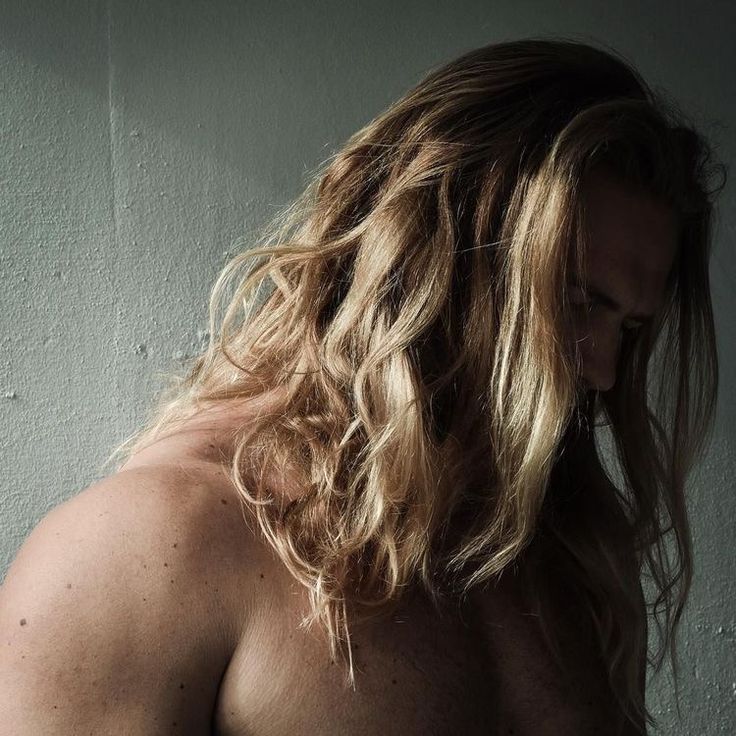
{"points": [[414, 319]]}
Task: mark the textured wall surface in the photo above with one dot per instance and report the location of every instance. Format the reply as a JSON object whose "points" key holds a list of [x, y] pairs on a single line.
{"points": [[140, 141]]}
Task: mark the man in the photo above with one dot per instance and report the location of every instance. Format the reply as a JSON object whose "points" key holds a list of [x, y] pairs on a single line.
{"points": [[398, 446]]}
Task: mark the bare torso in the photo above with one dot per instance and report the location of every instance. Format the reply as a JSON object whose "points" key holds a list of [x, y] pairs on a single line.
{"points": [[482, 669]]}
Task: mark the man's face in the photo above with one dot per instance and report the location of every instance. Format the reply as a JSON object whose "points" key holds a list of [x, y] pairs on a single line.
{"points": [[633, 243]]}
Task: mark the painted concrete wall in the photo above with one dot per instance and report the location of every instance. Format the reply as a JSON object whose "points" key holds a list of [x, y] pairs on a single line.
{"points": [[140, 140]]}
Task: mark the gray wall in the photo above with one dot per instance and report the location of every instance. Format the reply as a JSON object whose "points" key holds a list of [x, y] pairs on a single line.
{"points": [[138, 141]]}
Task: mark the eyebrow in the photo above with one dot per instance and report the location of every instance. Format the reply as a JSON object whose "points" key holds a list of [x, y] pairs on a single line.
{"points": [[610, 302]]}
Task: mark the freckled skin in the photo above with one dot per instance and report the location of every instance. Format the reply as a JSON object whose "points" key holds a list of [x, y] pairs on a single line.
{"points": [[483, 672]]}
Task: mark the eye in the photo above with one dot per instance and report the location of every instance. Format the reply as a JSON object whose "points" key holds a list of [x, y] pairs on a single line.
{"points": [[632, 325]]}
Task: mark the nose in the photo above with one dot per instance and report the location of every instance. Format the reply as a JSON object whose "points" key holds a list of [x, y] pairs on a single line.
{"points": [[600, 359], [603, 383]]}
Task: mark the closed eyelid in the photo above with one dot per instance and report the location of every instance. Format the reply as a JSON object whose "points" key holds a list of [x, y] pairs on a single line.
{"points": [[635, 326], [593, 294], [630, 325]]}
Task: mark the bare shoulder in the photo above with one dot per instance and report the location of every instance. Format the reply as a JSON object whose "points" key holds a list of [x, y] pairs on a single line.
{"points": [[124, 605], [155, 520]]}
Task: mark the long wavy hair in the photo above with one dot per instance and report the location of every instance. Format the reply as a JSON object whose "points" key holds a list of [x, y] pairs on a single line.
{"points": [[414, 318]]}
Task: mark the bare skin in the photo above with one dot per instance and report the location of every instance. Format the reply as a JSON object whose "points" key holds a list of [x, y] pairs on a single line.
{"points": [[482, 669], [633, 245], [99, 640], [146, 605]]}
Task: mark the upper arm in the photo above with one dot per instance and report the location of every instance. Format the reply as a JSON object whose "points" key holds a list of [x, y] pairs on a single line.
{"points": [[111, 619]]}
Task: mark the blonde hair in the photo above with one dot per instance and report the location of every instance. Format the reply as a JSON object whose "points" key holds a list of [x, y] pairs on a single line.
{"points": [[415, 321]]}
